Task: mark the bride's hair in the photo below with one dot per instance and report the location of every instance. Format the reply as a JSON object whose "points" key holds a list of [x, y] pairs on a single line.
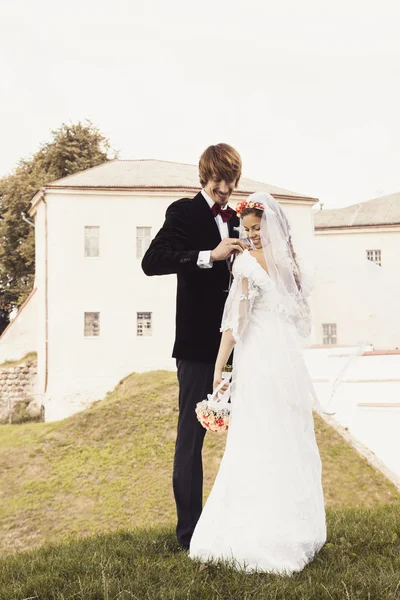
{"points": [[251, 211], [296, 270], [258, 213]]}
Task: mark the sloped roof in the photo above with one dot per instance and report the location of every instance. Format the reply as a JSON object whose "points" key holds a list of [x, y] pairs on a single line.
{"points": [[149, 173], [378, 211]]}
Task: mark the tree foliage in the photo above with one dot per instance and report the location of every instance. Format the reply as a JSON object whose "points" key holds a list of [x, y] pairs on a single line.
{"points": [[73, 148]]}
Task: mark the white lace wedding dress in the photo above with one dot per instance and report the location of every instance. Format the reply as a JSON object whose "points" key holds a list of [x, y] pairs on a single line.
{"points": [[266, 509]]}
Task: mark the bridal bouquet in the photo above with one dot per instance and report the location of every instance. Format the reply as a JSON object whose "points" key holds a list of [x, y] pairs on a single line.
{"points": [[213, 413]]}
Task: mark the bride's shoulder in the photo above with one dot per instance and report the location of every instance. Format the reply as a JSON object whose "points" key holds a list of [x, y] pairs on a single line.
{"points": [[259, 258], [247, 265], [242, 257], [253, 254], [244, 264]]}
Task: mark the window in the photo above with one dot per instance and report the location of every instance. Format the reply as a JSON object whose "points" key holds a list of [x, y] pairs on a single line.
{"points": [[92, 324], [144, 323], [375, 256], [92, 249], [329, 331], [143, 239]]}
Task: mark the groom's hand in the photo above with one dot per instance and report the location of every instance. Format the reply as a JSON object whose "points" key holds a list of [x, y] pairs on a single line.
{"points": [[227, 247]]}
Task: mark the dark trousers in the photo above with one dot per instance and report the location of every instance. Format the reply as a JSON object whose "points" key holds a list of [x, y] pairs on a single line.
{"points": [[195, 382]]}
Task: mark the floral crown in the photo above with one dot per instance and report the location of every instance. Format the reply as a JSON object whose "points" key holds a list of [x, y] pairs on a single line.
{"points": [[246, 204]]}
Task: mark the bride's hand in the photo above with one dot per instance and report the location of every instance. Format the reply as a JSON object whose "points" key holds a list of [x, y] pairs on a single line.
{"points": [[217, 380]]}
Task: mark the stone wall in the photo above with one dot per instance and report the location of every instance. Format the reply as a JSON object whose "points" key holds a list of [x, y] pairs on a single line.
{"points": [[17, 384]]}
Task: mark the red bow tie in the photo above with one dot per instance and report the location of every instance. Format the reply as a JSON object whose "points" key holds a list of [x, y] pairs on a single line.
{"points": [[226, 213]]}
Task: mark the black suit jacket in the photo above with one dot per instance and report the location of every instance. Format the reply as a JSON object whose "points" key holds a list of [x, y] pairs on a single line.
{"points": [[190, 227]]}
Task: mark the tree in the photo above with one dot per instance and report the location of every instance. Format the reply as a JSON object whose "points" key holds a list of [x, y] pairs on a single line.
{"points": [[73, 148]]}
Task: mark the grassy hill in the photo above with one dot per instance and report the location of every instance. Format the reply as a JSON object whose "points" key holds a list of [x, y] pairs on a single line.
{"points": [[361, 561], [109, 468]]}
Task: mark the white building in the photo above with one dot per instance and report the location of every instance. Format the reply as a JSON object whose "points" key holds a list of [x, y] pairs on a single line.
{"points": [[356, 302], [99, 317], [94, 317], [357, 254], [20, 336], [362, 392]]}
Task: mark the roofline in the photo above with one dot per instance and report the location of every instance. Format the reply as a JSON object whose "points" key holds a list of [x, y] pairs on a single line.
{"points": [[21, 308], [177, 188], [83, 171], [37, 198], [41, 193], [171, 162], [356, 228]]}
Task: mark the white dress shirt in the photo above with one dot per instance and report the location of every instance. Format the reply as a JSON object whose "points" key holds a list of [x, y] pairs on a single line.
{"points": [[204, 260]]}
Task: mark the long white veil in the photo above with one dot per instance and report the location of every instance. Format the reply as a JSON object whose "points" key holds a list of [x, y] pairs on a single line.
{"points": [[283, 265]]}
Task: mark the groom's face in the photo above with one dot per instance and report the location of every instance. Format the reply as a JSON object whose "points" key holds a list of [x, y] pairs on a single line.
{"points": [[220, 190]]}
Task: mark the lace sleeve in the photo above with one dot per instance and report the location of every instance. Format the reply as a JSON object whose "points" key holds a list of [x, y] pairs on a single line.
{"points": [[238, 307], [307, 275]]}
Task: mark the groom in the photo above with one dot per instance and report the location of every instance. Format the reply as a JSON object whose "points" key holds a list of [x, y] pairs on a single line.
{"points": [[197, 237]]}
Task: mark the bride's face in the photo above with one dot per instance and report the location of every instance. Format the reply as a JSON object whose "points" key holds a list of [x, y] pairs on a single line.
{"points": [[252, 226]]}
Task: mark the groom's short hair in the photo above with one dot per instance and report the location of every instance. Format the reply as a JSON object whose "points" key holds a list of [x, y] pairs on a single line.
{"points": [[220, 162]]}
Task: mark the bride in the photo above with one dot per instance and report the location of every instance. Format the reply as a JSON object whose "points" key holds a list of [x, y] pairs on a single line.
{"points": [[266, 509]]}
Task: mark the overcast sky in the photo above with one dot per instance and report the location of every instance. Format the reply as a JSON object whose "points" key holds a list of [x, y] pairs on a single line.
{"points": [[308, 91]]}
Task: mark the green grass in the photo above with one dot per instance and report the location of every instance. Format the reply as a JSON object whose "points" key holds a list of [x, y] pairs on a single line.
{"points": [[361, 561], [109, 468], [14, 363]]}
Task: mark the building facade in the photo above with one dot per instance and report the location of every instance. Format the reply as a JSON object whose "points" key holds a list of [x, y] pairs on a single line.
{"points": [[99, 317], [357, 255]]}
